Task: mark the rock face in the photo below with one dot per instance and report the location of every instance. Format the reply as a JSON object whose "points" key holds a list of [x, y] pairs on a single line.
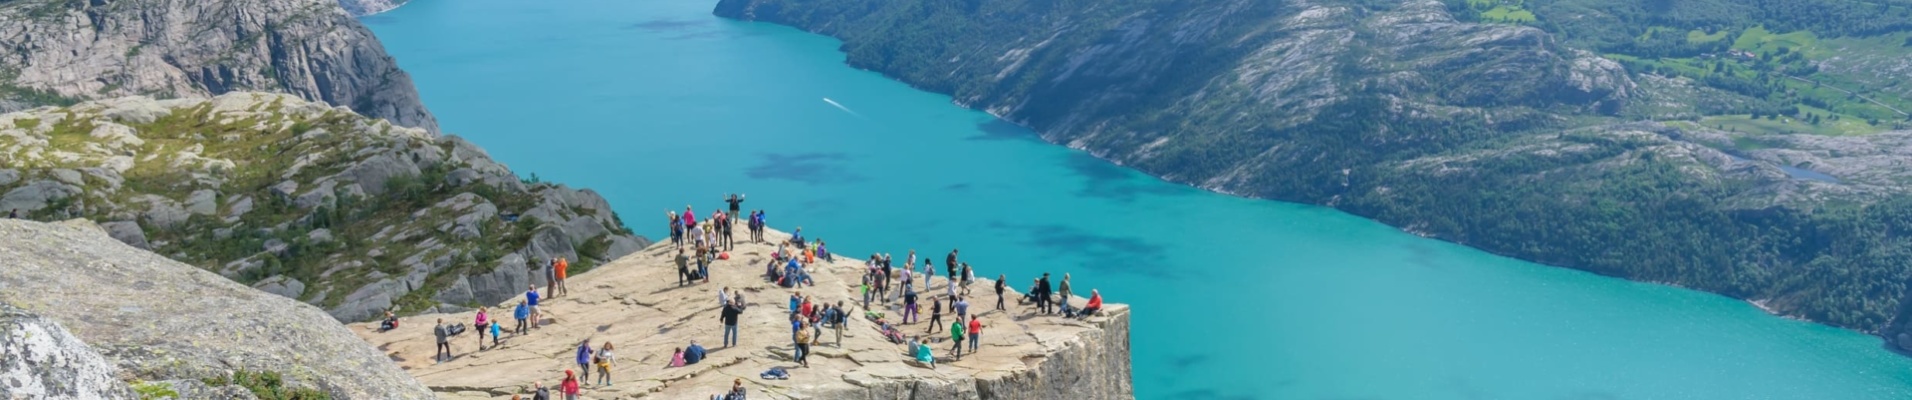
{"points": [[636, 304], [157, 319], [39, 359], [304, 200], [369, 7], [66, 51], [1500, 136]]}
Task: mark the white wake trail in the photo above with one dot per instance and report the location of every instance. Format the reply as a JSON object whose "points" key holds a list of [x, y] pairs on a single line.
{"points": [[840, 106]]}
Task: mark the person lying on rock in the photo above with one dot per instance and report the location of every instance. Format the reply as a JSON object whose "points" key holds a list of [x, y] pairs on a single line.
{"points": [[694, 353]]}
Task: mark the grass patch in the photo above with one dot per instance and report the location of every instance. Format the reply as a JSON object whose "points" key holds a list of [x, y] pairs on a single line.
{"points": [[154, 390], [1508, 13], [267, 385], [1757, 39], [1701, 37]]}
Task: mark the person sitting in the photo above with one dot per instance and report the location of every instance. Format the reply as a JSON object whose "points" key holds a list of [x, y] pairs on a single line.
{"points": [[694, 353], [390, 322], [677, 358], [1094, 305], [924, 355]]}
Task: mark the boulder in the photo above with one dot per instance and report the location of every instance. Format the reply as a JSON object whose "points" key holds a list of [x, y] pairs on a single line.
{"points": [[39, 359], [320, 235], [203, 202], [35, 196], [505, 281], [462, 177], [459, 292], [582, 228], [162, 212], [281, 285], [285, 189], [127, 232], [373, 173], [238, 208], [324, 195], [9, 176], [70, 177], [369, 301]]}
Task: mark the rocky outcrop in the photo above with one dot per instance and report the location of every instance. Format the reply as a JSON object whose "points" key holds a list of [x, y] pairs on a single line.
{"points": [[156, 319], [60, 51], [637, 304], [369, 7], [39, 359], [304, 200]]}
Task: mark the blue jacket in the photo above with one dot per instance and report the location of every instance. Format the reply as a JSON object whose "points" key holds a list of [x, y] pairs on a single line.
{"points": [[693, 354], [531, 298], [584, 353], [521, 312]]}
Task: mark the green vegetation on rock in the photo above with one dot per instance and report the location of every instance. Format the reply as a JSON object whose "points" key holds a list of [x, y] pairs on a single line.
{"points": [[267, 386]]}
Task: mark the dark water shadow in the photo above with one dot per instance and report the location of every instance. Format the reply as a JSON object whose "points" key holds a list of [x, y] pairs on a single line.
{"points": [[1098, 252], [998, 129], [1105, 180], [668, 25], [812, 168]]}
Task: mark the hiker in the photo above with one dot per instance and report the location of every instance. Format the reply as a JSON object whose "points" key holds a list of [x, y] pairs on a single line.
{"points": [[677, 230], [584, 357], [531, 297], [389, 323], [736, 390], [865, 288], [803, 345], [694, 353], [1095, 304], [1000, 287], [563, 266], [1043, 290], [683, 268], [909, 305], [969, 276], [551, 278], [703, 264], [729, 317], [481, 323], [796, 237], [1063, 290], [521, 313], [924, 355], [605, 360], [949, 289], [443, 352], [570, 384], [677, 358], [496, 331], [951, 260], [935, 313], [723, 296], [841, 318], [15, 214], [725, 231], [961, 307], [956, 335], [975, 332], [540, 392], [690, 218], [796, 301], [824, 253]]}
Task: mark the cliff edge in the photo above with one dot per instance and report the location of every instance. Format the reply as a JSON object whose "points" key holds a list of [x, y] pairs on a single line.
{"points": [[159, 320], [636, 304]]}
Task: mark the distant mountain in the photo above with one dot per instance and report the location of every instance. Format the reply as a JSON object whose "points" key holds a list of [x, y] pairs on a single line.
{"points": [[304, 200], [369, 7], [60, 52], [1750, 148]]}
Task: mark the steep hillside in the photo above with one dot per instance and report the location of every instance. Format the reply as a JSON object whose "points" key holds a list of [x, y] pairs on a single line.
{"points": [[304, 200], [1525, 131], [61, 51], [156, 320]]}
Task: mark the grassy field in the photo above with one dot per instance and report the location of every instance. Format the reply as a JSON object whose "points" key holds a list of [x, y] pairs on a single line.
{"points": [[1700, 37], [1758, 40], [1506, 13], [1785, 125]]}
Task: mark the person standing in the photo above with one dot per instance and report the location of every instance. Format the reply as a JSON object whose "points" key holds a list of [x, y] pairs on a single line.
{"points": [[1000, 287], [570, 384], [443, 333], [803, 345], [729, 317], [951, 261], [531, 298], [540, 392], [723, 296], [929, 274], [969, 276], [584, 358], [736, 202], [909, 304], [677, 229], [1042, 293], [975, 333], [551, 277], [961, 307], [1063, 290], [481, 323], [683, 268], [521, 313], [563, 265], [842, 318], [727, 230], [935, 313], [956, 336], [605, 360]]}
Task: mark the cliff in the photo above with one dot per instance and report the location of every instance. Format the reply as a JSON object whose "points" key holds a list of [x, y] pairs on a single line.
{"points": [[369, 7], [636, 304], [303, 200], [1752, 176], [157, 320], [59, 52]]}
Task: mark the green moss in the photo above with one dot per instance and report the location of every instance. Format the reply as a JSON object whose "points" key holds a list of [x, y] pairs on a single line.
{"points": [[267, 386], [154, 390]]}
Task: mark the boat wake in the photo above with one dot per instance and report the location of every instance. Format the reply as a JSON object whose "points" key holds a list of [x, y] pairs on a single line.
{"points": [[840, 106]]}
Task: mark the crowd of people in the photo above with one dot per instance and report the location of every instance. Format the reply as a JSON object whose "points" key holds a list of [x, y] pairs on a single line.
{"points": [[884, 289]]}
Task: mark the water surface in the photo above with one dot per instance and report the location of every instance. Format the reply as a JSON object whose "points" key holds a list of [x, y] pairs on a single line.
{"points": [[657, 104]]}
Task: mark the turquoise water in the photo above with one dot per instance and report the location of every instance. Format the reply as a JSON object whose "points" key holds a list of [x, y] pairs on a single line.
{"points": [[657, 104]]}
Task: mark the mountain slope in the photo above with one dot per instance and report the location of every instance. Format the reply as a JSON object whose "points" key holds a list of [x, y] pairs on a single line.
{"points": [[61, 51], [1469, 121], [304, 200]]}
